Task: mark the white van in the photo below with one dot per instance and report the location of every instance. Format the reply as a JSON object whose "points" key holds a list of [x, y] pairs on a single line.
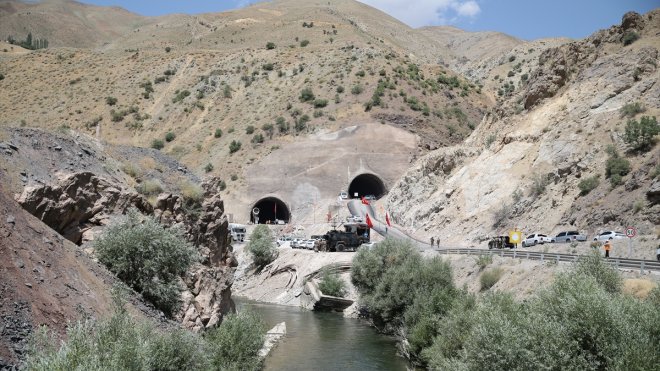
{"points": [[237, 232]]}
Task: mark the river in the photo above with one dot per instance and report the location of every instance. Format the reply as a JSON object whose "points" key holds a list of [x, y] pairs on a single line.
{"points": [[325, 341]]}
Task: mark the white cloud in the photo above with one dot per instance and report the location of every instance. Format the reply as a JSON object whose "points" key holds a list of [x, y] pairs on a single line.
{"points": [[418, 13]]}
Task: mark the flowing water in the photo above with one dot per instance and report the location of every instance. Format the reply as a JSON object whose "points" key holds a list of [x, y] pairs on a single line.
{"points": [[325, 341]]}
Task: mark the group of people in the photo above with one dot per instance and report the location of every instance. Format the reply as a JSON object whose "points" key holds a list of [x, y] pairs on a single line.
{"points": [[436, 241]]}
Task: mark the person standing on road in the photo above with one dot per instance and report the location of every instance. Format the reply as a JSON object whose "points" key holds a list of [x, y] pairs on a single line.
{"points": [[437, 241], [432, 240], [607, 247]]}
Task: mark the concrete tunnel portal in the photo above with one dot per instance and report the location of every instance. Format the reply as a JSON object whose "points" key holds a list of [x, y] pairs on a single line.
{"points": [[366, 184], [271, 209]]}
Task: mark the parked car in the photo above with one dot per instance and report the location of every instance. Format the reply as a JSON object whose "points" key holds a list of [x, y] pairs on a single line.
{"points": [[296, 243], [283, 239], [534, 239], [309, 244], [369, 197], [609, 235], [569, 237]]}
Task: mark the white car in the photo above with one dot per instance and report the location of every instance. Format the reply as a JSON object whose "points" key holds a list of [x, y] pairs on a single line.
{"points": [[309, 244], [536, 238], [609, 235], [297, 243]]}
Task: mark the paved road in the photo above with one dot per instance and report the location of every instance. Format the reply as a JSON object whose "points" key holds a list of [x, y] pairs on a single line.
{"points": [[357, 208]]}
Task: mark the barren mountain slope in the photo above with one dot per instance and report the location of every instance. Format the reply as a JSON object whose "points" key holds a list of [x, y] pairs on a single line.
{"points": [[66, 23], [521, 167], [210, 95]]}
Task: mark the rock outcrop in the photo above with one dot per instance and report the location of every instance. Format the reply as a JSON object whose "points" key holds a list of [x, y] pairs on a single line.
{"points": [[78, 202], [82, 201]]}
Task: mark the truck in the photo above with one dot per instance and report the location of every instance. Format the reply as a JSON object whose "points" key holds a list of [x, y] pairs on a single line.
{"points": [[237, 232], [353, 235], [500, 242]]}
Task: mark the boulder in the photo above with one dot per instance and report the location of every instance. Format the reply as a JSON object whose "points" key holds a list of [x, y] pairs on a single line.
{"points": [[653, 194]]}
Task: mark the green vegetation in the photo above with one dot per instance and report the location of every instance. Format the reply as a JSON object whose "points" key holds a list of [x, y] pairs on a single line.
{"points": [[489, 278], [218, 133], [29, 42], [2, 77], [631, 109], [170, 136], [110, 101], [270, 45], [149, 187], [180, 95], [147, 257], [640, 135], [157, 144], [168, 49], [306, 95], [340, 89], [331, 284], [282, 125], [208, 168], [616, 166], [301, 123], [226, 91], [539, 183], [581, 322], [261, 246], [125, 343], [630, 37], [489, 140], [483, 261], [249, 129], [304, 43], [234, 146], [587, 185], [268, 66], [357, 89], [320, 103], [258, 138]]}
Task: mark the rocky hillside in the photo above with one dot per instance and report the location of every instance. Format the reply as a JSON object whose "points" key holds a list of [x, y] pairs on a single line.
{"points": [[523, 165]]}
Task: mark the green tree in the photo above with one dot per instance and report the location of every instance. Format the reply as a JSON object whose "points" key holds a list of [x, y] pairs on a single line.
{"points": [[616, 166], [640, 135], [147, 257], [262, 246], [234, 146]]}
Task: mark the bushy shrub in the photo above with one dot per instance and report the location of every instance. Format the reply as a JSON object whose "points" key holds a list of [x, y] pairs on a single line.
{"points": [[539, 183], [208, 168], [484, 260], [331, 284], [150, 187], [501, 214], [218, 133], [180, 95], [258, 138], [587, 185], [320, 103], [262, 246], [157, 144], [249, 129], [630, 37], [170, 136], [631, 109], [125, 343], [270, 45], [147, 257], [192, 192], [234, 146], [236, 343], [117, 343], [616, 166], [110, 101], [282, 125], [595, 266], [357, 89], [304, 43], [489, 278], [306, 95], [640, 134]]}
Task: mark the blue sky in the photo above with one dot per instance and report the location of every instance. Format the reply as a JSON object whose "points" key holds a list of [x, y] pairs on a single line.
{"points": [[526, 19]]}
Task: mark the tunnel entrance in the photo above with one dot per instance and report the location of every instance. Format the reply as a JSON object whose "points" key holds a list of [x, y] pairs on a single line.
{"points": [[365, 185], [271, 211]]}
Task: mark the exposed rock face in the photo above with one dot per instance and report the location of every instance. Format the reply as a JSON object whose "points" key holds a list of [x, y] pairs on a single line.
{"points": [[79, 201], [83, 200]]}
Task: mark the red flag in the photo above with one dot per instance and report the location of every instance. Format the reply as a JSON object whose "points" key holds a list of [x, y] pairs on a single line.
{"points": [[387, 219], [365, 201], [369, 223]]}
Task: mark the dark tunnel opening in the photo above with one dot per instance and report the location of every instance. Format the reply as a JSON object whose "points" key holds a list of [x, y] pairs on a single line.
{"points": [[365, 185], [271, 210]]}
